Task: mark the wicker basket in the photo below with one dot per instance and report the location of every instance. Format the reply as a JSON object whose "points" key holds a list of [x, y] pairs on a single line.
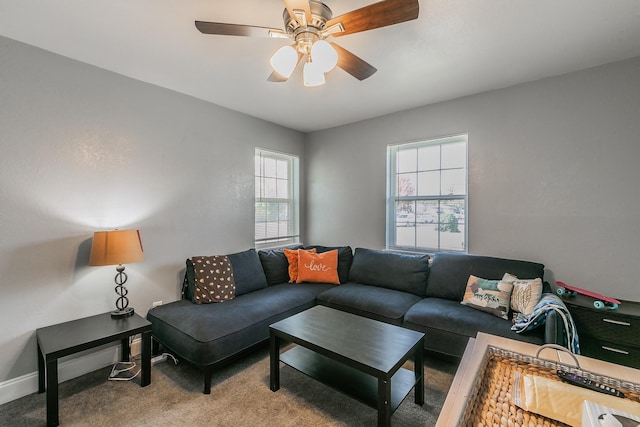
{"points": [[489, 402]]}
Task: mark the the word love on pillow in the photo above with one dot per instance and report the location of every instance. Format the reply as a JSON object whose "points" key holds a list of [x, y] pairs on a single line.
{"points": [[318, 268]]}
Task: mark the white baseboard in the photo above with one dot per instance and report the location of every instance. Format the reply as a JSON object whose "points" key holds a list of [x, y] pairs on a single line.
{"points": [[24, 385]]}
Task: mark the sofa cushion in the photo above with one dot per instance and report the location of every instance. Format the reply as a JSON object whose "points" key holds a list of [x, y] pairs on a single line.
{"points": [[318, 268], [437, 314], [373, 302], [393, 270], [247, 271], [449, 273], [275, 264], [345, 256], [293, 258], [491, 296], [525, 295], [214, 280]]}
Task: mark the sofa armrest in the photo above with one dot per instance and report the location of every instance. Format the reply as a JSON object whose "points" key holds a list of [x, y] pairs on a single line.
{"points": [[554, 333]]}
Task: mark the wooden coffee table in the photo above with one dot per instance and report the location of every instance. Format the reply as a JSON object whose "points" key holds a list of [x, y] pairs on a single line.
{"points": [[354, 354]]}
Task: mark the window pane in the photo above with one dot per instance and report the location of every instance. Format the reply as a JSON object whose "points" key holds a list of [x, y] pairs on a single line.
{"points": [[429, 158], [258, 165], [270, 188], [427, 236], [283, 229], [283, 215], [427, 212], [407, 160], [283, 189], [429, 183], [273, 211], [407, 184], [283, 169], [454, 155], [450, 241], [272, 229], [260, 230], [270, 166], [261, 212], [405, 213], [454, 182], [451, 225]]}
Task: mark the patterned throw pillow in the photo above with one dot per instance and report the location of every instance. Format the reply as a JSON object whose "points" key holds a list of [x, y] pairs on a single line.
{"points": [[492, 296], [213, 279], [318, 268], [292, 257], [525, 295]]}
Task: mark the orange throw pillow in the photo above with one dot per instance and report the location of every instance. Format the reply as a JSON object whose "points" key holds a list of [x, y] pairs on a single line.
{"points": [[318, 268], [292, 257]]}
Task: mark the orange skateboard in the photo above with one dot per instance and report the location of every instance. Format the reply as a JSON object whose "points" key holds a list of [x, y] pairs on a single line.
{"points": [[601, 301]]}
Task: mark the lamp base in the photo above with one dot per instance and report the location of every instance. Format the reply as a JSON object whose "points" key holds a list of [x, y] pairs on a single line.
{"points": [[125, 312]]}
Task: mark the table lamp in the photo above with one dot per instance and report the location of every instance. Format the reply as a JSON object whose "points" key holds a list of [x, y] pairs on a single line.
{"points": [[117, 247]]}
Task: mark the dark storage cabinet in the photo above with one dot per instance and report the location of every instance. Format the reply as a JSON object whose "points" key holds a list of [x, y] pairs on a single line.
{"points": [[611, 335]]}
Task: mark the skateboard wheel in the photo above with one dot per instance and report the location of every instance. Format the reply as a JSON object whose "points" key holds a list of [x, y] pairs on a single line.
{"points": [[598, 304], [613, 306], [560, 291]]}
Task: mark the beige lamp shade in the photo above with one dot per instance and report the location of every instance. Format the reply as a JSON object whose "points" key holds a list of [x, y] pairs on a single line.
{"points": [[116, 247]]}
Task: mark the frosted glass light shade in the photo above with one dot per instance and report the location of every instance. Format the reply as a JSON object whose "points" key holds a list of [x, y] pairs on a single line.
{"points": [[324, 55], [284, 61], [312, 74]]}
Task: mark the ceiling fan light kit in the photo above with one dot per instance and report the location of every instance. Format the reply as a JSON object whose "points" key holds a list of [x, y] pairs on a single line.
{"points": [[284, 61], [312, 74], [309, 23]]}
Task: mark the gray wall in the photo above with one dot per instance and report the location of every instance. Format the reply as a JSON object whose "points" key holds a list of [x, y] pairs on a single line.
{"points": [[554, 174], [82, 150]]}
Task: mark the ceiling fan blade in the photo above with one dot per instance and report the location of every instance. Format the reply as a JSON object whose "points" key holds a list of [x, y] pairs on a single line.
{"points": [[279, 78], [223, 29], [352, 64], [381, 14], [293, 5]]}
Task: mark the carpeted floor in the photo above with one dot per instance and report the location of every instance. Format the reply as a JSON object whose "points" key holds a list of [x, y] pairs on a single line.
{"points": [[240, 396]]}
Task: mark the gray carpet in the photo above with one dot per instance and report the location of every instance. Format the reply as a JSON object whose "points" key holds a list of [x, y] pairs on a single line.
{"points": [[240, 396]]}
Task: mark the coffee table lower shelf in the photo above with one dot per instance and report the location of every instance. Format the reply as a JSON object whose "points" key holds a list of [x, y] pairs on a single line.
{"points": [[359, 385]]}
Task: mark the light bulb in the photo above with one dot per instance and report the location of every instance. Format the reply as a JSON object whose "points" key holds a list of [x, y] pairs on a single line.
{"points": [[312, 74], [324, 55], [284, 61]]}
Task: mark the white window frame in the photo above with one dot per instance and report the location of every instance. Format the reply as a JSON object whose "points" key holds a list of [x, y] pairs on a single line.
{"points": [[290, 233], [393, 199]]}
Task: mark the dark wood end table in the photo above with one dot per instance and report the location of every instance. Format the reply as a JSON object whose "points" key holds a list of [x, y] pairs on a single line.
{"points": [[67, 338], [359, 356]]}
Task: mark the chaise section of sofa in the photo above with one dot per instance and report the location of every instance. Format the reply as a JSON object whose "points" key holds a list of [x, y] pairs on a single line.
{"points": [[207, 335]]}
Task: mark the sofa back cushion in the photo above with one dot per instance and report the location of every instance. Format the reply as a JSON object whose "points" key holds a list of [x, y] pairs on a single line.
{"points": [[247, 272], [345, 257], [450, 272], [275, 264], [392, 270]]}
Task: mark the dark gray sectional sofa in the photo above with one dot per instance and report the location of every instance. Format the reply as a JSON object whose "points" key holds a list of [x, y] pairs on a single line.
{"points": [[401, 289]]}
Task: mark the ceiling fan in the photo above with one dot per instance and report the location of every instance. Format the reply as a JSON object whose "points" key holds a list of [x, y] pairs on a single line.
{"points": [[309, 23]]}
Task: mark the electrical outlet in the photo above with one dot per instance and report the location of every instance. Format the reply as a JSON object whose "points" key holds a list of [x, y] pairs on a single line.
{"points": [[155, 304]]}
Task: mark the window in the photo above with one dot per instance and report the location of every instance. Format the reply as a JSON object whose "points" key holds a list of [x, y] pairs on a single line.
{"points": [[427, 195], [276, 204]]}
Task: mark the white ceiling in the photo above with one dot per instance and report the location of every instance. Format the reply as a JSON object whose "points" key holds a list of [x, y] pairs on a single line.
{"points": [[454, 48]]}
